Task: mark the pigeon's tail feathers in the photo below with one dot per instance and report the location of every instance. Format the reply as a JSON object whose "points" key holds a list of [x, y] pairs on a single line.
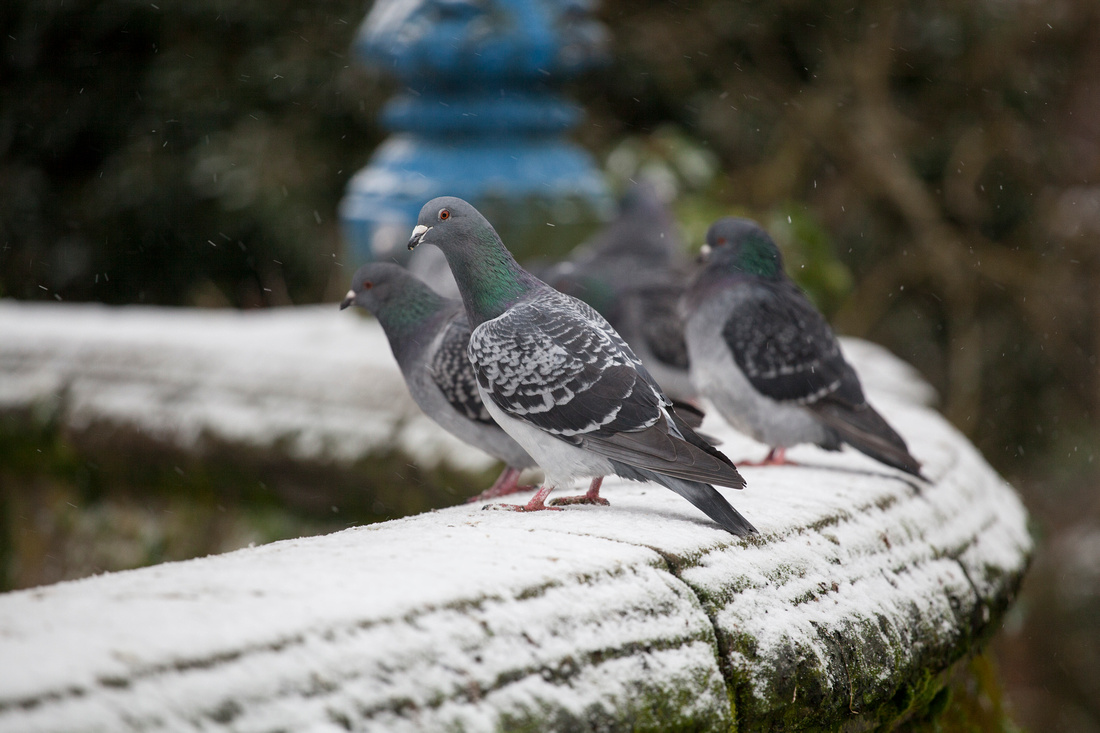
{"points": [[689, 413], [868, 432], [704, 442], [705, 497], [661, 450]]}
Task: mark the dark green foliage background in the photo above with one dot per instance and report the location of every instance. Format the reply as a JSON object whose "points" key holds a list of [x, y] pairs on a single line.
{"points": [[177, 152], [932, 170]]}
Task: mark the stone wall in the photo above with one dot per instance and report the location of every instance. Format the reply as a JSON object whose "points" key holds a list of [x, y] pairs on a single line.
{"points": [[863, 589]]}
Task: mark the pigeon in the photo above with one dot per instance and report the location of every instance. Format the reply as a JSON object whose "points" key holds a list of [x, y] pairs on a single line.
{"points": [[634, 272], [562, 382], [428, 335], [767, 360]]}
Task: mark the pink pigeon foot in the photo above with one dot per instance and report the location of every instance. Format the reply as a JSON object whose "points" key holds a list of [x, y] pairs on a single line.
{"points": [[592, 497], [507, 483], [775, 457], [537, 503]]}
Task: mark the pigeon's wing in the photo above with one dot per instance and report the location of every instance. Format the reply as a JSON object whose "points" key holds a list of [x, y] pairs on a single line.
{"points": [[867, 431], [786, 349], [788, 353], [454, 375], [554, 363], [670, 448]]}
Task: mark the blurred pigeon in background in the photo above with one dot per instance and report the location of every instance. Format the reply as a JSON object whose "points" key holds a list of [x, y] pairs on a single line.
{"points": [[563, 383], [633, 272], [428, 335], [768, 361]]}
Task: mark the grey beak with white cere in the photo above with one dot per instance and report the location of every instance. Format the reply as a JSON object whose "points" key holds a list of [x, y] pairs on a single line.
{"points": [[417, 237]]}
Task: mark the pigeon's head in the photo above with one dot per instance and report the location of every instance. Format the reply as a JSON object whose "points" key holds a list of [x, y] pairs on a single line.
{"points": [[376, 284], [487, 276], [740, 245], [450, 224]]}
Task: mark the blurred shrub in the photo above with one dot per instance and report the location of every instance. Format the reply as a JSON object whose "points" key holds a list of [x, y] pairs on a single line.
{"points": [[179, 151]]}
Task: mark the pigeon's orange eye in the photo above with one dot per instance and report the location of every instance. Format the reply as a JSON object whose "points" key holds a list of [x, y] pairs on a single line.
{"points": [[367, 285], [444, 215]]}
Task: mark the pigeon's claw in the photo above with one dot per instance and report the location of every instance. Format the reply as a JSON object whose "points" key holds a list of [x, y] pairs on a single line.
{"points": [[591, 497], [775, 457], [537, 503], [579, 499], [507, 484]]}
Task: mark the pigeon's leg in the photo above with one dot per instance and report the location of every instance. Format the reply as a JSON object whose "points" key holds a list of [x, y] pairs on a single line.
{"points": [[592, 497], [506, 483], [775, 457], [537, 503]]}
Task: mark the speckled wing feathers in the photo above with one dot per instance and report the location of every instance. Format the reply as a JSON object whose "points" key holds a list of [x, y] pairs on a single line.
{"points": [[786, 349], [544, 362], [454, 375], [556, 364], [788, 353]]}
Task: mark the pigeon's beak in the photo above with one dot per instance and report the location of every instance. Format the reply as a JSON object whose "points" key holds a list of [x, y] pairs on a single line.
{"points": [[704, 254], [348, 299], [418, 235]]}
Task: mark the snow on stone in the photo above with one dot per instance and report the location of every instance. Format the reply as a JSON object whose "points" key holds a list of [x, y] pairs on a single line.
{"points": [[420, 614], [321, 381], [862, 580]]}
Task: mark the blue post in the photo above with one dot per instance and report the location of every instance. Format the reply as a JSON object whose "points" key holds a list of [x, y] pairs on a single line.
{"points": [[479, 118]]}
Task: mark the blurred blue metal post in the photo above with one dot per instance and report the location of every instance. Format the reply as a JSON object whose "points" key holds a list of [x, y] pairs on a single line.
{"points": [[480, 118]]}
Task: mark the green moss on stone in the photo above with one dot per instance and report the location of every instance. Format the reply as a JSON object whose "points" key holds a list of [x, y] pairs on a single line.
{"points": [[645, 710], [969, 698]]}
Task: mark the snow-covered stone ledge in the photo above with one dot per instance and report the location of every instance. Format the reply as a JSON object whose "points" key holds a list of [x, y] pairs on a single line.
{"points": [[317, 383], [862, 590]]}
